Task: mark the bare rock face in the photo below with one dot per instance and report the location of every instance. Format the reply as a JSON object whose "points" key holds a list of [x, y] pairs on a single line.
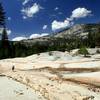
{"points": [[51, 76], [73, 30], [79, 30]]}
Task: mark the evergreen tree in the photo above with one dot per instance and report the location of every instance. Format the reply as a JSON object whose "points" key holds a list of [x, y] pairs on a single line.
{"points": [[91, 40], [5, 45], [83, 51], [2, 16]]}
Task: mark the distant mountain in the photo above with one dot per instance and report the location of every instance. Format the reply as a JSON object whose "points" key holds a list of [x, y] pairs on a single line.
{"points": [[79, 30]]}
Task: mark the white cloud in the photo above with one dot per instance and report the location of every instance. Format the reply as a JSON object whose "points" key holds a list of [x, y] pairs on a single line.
{"points": [[31, 11], [80, 13], [8, 31], [24, 17], [25, 2], [69, 19], [45, 27], [44, 34], [38, 35], [56, 8], [19, 38], [9, 18], [76, 14], [60, 25], [60, 13], [34, 36]]}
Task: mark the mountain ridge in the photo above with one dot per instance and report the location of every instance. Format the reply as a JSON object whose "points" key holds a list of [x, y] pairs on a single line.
{"points": [[76, 30]]}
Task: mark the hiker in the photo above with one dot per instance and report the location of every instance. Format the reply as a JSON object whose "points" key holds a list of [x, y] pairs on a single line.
{"points": [[13, 68]]}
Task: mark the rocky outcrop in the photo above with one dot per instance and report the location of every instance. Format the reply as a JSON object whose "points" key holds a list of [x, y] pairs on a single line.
{"points": [[79, 30]]}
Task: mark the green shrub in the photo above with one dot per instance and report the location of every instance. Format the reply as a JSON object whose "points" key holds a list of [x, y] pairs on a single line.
{"points": [[83, 51], [38, 54], [98, 51], [50, 53]]}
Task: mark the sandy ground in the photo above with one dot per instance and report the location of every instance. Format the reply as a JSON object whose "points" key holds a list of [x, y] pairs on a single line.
{"points": [[60, 76]]}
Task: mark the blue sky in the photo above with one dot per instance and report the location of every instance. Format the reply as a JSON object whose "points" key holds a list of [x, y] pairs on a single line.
{"points": [[28, 18]]}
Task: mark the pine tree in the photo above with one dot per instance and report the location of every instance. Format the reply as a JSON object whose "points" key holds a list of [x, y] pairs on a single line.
{"points": [[2, 16], [4, 40], [5, 44]]}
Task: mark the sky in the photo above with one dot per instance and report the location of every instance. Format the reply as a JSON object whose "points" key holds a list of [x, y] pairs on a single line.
{"points": [[37, 18]]}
